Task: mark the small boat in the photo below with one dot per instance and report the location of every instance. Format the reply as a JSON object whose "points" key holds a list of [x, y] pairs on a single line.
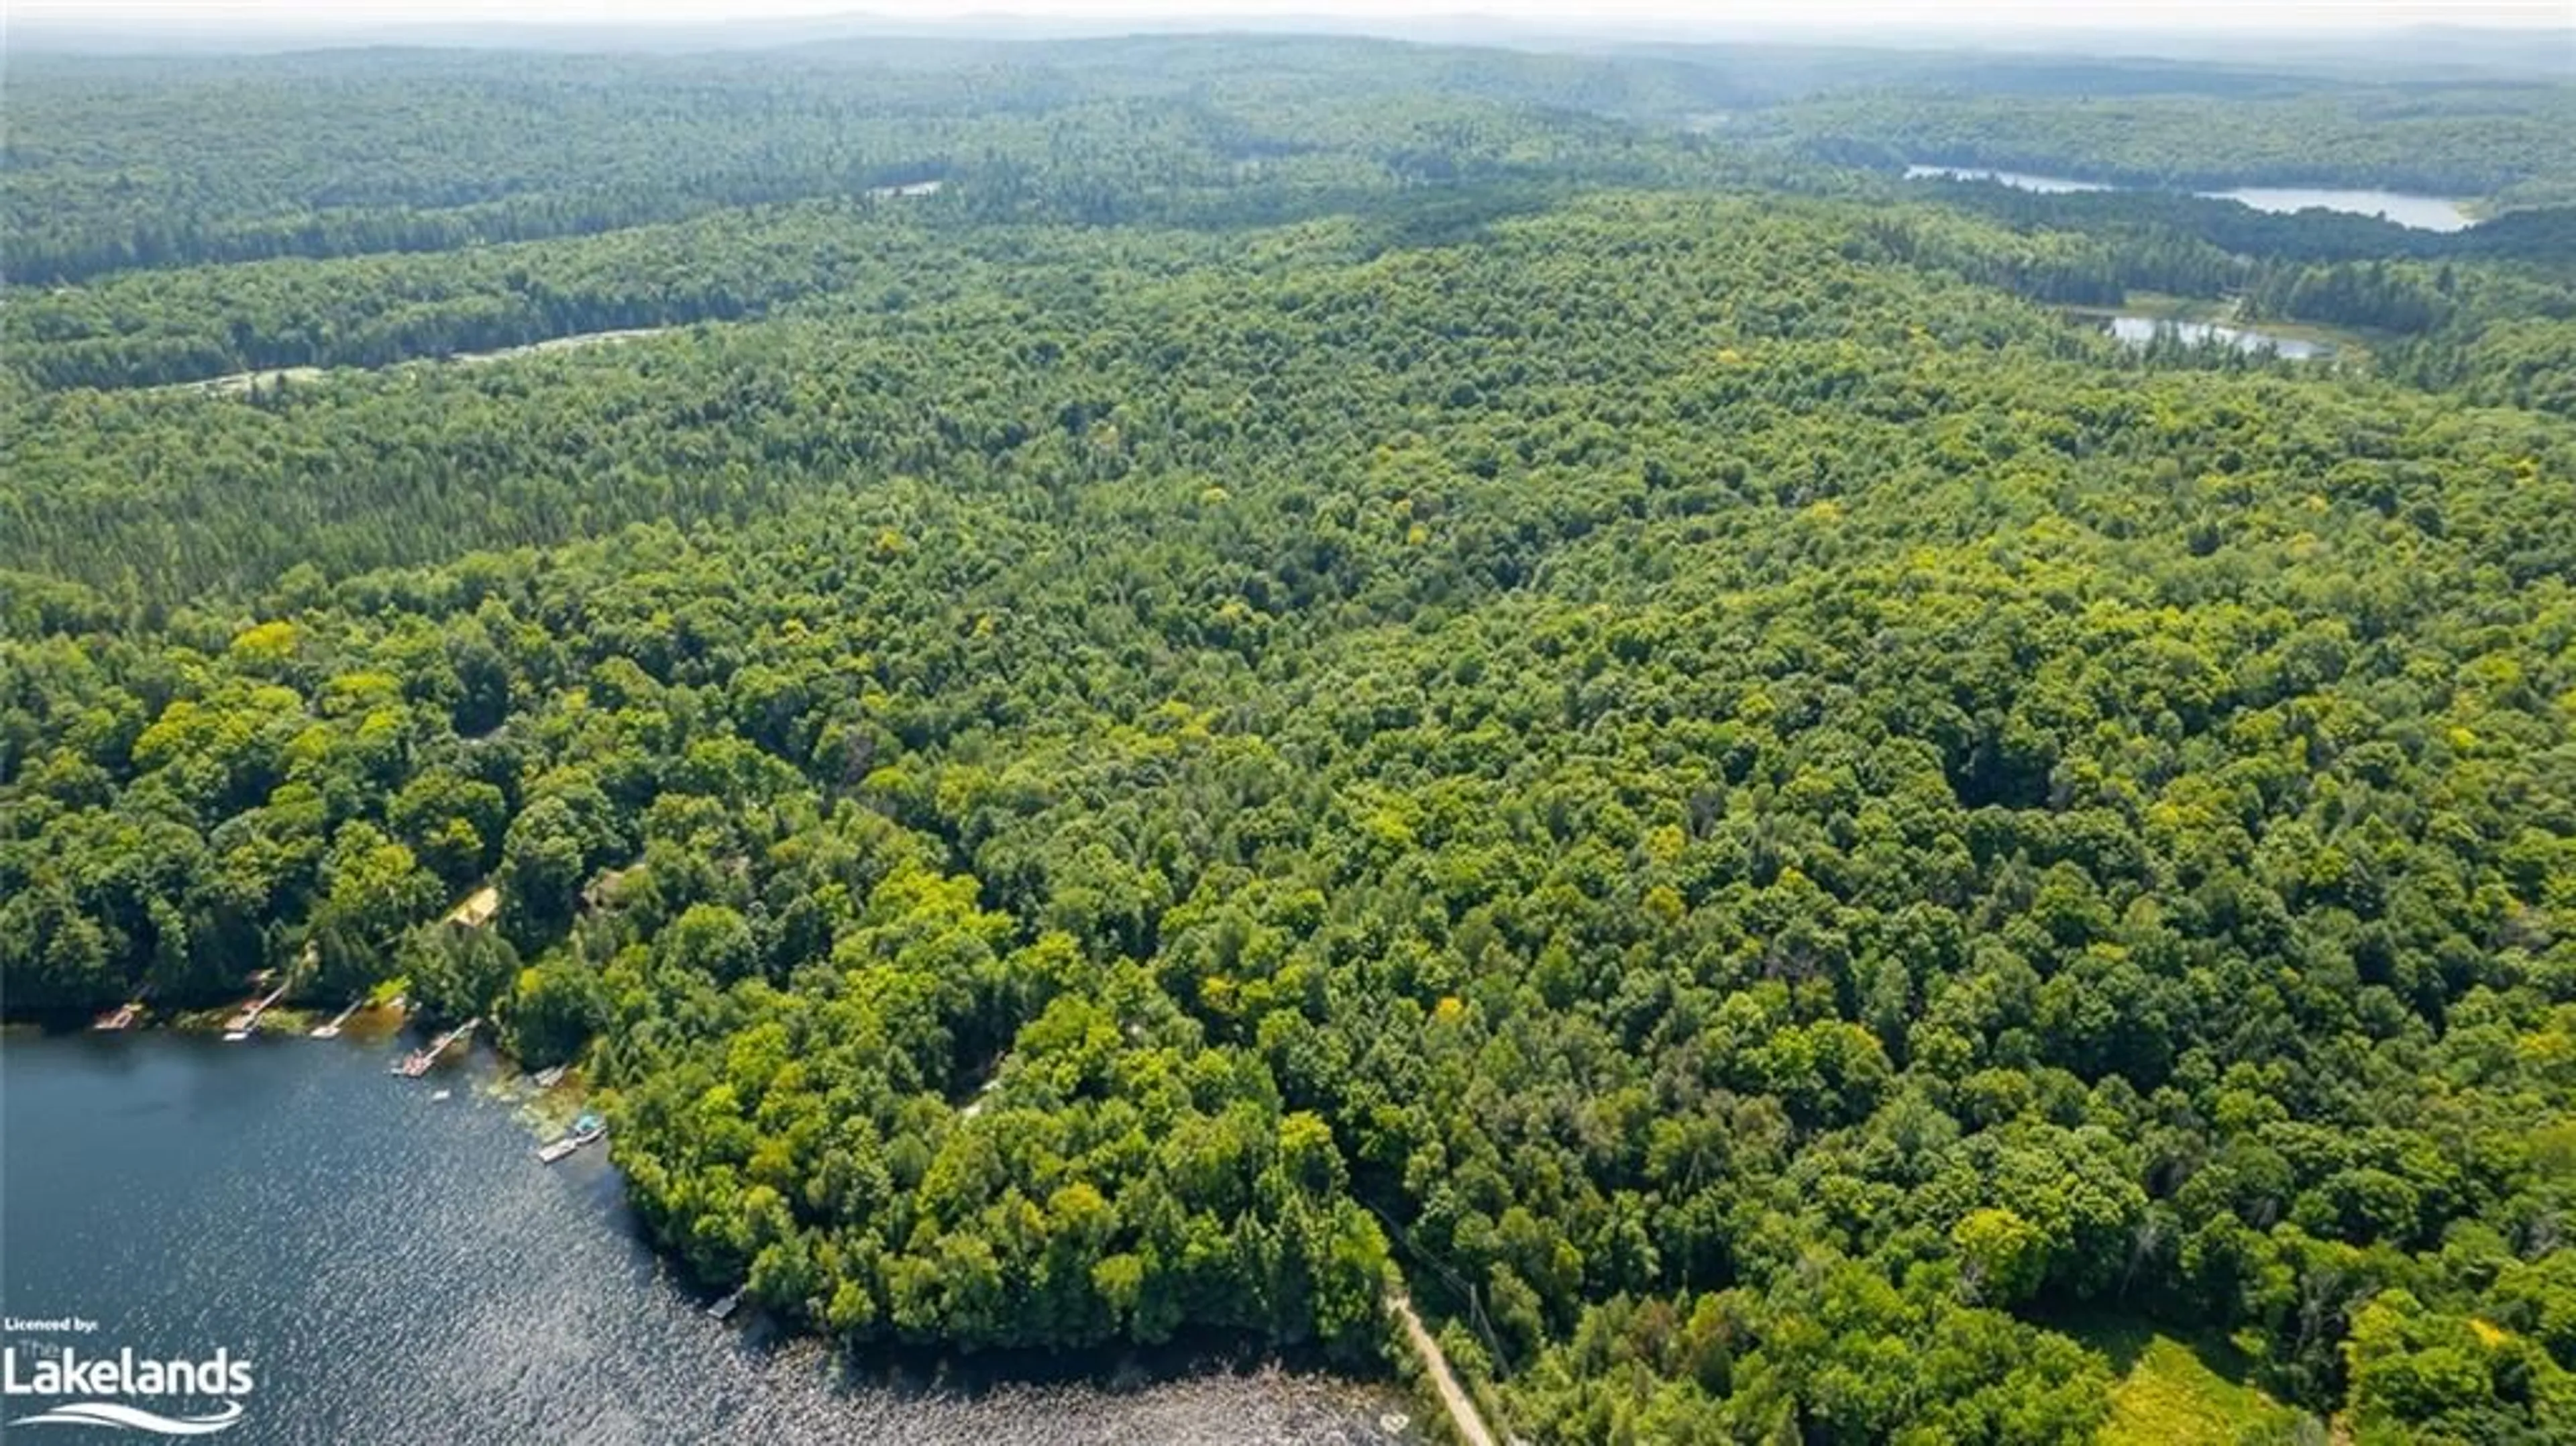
{"points": [[442, 1094], [588, 1130], [724, 1308], [235, 1036]]}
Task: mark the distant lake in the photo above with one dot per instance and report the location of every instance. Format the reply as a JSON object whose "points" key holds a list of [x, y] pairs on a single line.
{"points": [[2423, 213], [2139, 330], [399, 1267], [2018, 180]]}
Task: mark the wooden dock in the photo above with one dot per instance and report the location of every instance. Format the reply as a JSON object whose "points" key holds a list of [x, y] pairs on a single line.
{"points": [[246, 1021], [332, 1030], [418, 1062]]}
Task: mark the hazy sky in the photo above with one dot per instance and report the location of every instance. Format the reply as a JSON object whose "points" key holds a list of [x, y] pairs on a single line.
{"points": [[2204, 15]]}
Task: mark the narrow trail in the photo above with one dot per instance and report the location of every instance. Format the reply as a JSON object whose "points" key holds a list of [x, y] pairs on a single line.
{"points": [[1435, 1364]]}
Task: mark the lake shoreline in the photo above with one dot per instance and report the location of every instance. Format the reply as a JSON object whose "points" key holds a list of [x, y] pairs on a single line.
{"points": [[2311, 342], [437, 1208], [2439, 215]]}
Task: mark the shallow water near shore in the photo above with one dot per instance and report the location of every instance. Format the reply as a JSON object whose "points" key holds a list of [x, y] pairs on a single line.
{"points": [[400, 1268]]}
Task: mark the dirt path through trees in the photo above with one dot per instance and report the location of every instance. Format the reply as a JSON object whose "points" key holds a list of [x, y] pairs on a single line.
{"points": [[1435, 1364]]}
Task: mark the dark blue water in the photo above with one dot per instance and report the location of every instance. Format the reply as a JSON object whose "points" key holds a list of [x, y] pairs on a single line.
{"points": [[400, 1269]]}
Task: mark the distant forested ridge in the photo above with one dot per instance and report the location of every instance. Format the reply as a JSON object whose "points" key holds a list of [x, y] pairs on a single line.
{"points": [[2506, 141], [1340, 661]]}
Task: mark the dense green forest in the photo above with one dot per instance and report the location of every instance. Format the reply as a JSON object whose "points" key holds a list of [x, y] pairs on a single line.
{"points": [[1339, 662]]}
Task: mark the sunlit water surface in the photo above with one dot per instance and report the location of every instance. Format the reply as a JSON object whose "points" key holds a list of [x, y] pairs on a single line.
{"points": [[400, 1269]]}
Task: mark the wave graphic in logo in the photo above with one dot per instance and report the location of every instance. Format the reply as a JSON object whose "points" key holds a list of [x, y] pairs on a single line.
{"points": [[135, 1418]]}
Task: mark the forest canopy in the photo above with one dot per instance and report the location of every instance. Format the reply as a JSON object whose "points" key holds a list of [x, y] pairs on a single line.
{"points": [[1276, 687]]}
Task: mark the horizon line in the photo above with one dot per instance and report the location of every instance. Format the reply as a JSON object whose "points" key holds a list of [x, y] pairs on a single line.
{"points": [[74, 15]]}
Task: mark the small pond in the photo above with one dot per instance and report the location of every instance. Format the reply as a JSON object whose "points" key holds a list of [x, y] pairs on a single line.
{"points": [[2139, 330]]}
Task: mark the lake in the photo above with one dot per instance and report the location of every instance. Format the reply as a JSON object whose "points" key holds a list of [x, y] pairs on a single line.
{"points": [[399, 1268], [2423, 213], [2139, 330], [2018, 180]]}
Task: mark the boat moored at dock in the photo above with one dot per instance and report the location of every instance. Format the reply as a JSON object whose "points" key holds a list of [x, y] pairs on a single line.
{"points": [[590, 1129]]}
